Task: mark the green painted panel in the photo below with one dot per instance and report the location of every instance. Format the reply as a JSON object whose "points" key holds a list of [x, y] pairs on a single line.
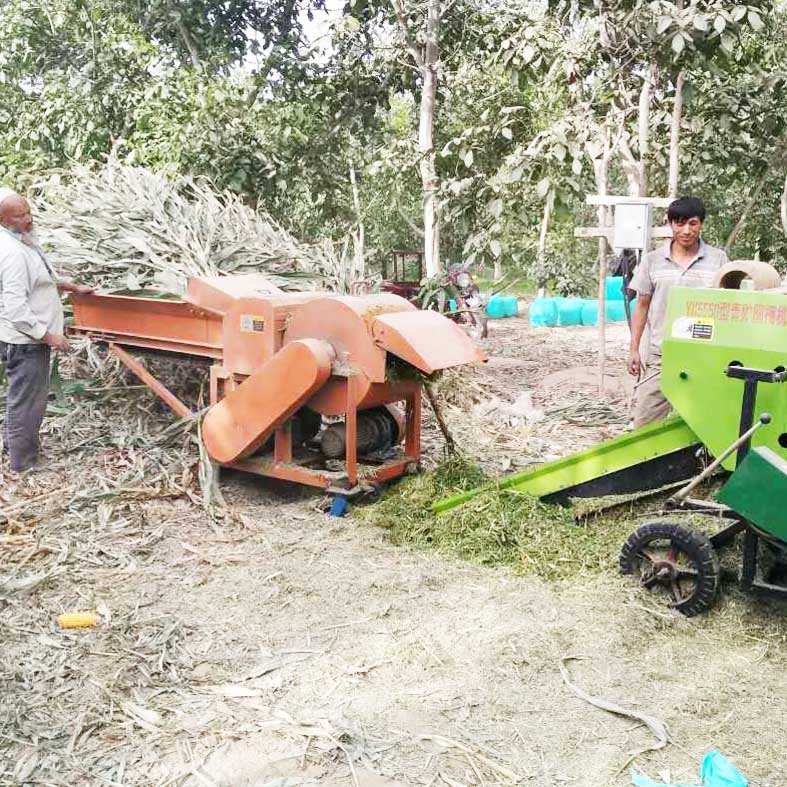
{"points": [[627, 450], [758, 490], [705, 331]]}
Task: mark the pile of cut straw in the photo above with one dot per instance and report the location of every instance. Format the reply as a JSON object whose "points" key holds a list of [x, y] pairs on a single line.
{"points": [[122, 227], [498, 527]]}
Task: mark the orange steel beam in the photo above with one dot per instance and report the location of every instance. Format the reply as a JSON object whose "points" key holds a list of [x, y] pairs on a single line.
{"points": [[282, 443], [132, 340], [322, 479], [283, 471], [157, 387]]}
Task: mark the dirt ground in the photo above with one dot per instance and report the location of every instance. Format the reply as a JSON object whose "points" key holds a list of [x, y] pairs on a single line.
{"points": [[280, 647]]}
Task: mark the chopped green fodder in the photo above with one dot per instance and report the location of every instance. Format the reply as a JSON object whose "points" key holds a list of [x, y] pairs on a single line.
{"points": [[499, 527]]}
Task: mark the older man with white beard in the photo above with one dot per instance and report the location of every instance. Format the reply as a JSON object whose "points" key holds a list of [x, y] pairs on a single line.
{"points": [[31, 325]]}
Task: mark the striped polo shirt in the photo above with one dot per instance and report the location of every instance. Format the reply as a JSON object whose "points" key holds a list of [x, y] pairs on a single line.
{"points": [[657, 274]]}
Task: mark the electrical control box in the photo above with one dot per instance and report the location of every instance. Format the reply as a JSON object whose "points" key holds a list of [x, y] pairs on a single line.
{"points": [[632, 226]]}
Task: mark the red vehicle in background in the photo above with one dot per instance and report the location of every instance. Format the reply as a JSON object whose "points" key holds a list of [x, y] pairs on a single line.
{"points": [[455, 294], [403, 273]]}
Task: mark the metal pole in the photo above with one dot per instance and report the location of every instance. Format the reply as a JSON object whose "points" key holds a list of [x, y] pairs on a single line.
{"points": [[678, 497]]}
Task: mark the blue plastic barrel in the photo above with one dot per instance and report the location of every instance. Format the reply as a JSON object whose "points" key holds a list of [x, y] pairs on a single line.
{"points": [[589, 314], [543, 313], [496, 307], [509, 305], [614, 288], [451, 305], [569, 312], [615, 311]]}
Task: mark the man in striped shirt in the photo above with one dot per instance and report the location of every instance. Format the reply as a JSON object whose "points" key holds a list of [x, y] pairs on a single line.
{"points": [[684, 261]]}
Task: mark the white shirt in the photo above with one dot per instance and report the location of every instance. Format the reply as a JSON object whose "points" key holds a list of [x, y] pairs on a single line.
{"points": [[29, 301]]}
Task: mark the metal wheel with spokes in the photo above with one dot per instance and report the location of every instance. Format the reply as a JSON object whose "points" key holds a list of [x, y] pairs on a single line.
{"points": [[674, 561]]}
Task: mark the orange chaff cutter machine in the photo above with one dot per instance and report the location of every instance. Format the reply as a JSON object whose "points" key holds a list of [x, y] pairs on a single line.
{"points": [[283, 361]]}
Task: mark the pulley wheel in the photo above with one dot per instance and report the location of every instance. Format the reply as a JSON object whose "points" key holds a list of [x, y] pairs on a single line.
{"points": [[678, 563], [732, 274]]}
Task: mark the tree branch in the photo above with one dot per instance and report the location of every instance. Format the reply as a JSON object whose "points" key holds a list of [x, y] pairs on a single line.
{"points": [[674, 137], [412, 47], [747, 208], [189, 42]]}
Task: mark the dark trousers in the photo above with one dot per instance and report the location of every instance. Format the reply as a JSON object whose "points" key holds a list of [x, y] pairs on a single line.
{"points": [[27, 371]]}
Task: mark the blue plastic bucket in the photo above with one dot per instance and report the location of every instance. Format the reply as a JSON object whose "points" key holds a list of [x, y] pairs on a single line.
{"points": [[543, 313]]}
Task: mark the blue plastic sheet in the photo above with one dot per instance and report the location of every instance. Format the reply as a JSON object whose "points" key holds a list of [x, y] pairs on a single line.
{"points": [[716, 771]]}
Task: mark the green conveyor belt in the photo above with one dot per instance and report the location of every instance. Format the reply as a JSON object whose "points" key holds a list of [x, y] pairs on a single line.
{"points": [[628, 450]]}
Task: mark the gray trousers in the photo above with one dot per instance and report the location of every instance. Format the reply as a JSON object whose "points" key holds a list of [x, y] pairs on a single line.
{"points": [[27, 371], [650, 404]]}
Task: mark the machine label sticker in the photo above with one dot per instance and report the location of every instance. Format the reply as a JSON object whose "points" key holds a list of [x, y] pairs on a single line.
{"points": [[252, 323], [693, 328], [725, 311]]}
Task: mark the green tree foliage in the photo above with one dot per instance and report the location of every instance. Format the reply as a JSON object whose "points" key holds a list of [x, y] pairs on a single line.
{"points": [[235, 91]]}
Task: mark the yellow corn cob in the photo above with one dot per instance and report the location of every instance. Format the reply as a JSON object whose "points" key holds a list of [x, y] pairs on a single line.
{"points": [[77, 620]]}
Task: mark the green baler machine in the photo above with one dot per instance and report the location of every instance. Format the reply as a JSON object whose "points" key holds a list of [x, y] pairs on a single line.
{"points": [[724, 361], [710, 333]]}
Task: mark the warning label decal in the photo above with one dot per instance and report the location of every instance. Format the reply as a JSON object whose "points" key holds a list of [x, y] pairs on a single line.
{"points": [[700, 328], [252, 323]]}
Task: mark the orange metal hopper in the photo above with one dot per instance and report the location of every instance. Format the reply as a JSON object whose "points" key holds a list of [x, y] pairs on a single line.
{"points": [[283, 363]]}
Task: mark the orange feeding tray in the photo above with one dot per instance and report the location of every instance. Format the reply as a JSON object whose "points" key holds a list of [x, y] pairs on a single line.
{"points": [[299, 382]]}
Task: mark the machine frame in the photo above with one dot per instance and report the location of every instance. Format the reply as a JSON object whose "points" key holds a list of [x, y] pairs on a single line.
{"points": [[245, 326]]}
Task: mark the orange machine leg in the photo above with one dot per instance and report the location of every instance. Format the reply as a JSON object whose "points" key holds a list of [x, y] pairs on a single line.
{"points": [[351, 432], [412, 428], [282, 446], [158, 388]]}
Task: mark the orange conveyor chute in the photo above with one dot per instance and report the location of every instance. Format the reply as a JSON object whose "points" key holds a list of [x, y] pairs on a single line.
{"points": [[246, 417], [425, 339]]}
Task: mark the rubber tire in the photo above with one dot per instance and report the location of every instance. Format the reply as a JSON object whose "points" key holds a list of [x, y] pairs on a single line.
{"points": [[697, 547]]}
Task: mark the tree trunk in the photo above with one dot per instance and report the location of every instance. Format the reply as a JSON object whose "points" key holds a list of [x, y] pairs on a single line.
{"points": [[631, 167], [426, 140], [601, 171], [674, 138], [542, 238], [359, 265], [643, 127], [747, 209], [783, 207], [189, 42], [426, 60], [497, 273]]}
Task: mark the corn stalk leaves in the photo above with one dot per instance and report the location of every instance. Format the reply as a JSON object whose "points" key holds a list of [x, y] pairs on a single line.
{"points": [[121, 226]]}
